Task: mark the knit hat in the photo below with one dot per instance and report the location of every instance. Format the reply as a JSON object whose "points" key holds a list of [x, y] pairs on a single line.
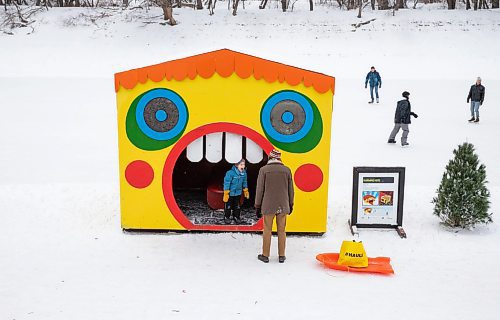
{"points": [[478, 78], [406, 94], [241, 161], [275, 154]]}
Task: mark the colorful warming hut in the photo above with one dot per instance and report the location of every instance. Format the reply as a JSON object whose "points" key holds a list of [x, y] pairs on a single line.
{"points": [[182, 123]]}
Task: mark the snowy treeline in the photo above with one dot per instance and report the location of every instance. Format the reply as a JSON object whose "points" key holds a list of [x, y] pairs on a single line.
{"points": [[282, 4], [21, 13]]}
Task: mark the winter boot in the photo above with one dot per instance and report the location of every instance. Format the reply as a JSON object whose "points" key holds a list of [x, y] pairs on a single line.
{"points": [[472, 119], [477, 120], [237, 220], [404, 144], [370, 101], [391, 141], [281, 259], [227, 220], [263, 258], [377, 100]]}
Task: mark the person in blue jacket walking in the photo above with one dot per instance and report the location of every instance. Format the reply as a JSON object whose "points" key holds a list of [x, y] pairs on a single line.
{"points": [[375, 82], [235, 183]]}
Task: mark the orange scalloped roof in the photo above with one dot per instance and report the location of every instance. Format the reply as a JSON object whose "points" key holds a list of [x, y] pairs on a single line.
{"points": [[225, 62]]}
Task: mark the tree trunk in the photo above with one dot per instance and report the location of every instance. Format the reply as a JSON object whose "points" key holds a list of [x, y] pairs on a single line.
{"points": [[199, 5], [452, 4], [467, 5], [383, 4], [373, 4], [475, 5], [283, 5], [168, 13], [310, 5], [360, 8], [495, 4], [235, 6]]}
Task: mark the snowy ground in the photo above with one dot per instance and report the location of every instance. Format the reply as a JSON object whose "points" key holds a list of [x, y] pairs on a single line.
{"points": [[63, 254]]}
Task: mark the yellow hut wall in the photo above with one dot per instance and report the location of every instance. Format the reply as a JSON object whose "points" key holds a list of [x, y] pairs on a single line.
{"points": [[212, 100]]}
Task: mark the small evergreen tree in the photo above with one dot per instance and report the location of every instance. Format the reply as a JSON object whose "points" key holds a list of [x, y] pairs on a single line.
{"points": [[462, 197]]}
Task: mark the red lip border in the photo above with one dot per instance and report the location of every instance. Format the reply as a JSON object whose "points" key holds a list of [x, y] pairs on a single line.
{"points": [[176, 151]]}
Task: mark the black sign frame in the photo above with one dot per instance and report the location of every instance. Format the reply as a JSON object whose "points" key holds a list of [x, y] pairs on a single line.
{"points": [[355, 188]]}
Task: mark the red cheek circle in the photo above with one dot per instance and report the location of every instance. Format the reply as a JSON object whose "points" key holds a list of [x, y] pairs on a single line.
{"points": [[139, 174], [308, 177]]}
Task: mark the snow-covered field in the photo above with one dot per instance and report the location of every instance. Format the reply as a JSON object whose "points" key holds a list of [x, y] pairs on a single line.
{"points": [[63, 254]]}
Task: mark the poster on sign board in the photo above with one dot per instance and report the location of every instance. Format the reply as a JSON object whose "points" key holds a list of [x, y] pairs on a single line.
{"points": [[378, 194]]}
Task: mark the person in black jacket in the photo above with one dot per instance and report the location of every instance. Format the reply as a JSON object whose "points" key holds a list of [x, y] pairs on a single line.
{"points": [[402, 120], [476, 98]]}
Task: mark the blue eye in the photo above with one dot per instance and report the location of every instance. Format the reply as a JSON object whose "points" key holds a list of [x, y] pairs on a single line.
{"points": [[156, 119], [287, 116], [161, 114], [291, 121]]}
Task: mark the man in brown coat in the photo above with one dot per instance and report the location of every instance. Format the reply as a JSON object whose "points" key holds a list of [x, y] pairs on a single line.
{"points": [[274, 198]]}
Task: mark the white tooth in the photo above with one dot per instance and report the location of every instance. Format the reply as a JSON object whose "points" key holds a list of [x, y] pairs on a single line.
{"points": [[194, 150], [214, 147], [234, 147], [254, 152]]}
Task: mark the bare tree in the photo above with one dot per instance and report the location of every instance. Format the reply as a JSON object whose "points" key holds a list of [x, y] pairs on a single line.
{"points": [[168, 14], [284, 5], [235, 6], [399, 4], [211, 6], [383, 4], [483, 4]]}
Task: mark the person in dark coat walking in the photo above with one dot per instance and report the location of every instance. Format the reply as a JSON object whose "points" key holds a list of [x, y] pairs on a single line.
{"points": [[375, 82], [476, 98], [274, 199], [235, 183], [402, 119]]}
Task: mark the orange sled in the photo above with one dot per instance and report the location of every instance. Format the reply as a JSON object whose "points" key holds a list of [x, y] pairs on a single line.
{"points": [[375, 265]]}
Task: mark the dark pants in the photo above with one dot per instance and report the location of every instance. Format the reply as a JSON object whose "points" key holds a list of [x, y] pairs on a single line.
{"points": [[233, 205]]}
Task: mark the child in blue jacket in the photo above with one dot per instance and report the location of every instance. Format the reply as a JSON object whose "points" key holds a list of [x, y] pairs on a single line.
{"points": [[235, 183]]}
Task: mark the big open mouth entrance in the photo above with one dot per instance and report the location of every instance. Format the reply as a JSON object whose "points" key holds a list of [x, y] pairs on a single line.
{"points": [[253, 138], [198, 175]]}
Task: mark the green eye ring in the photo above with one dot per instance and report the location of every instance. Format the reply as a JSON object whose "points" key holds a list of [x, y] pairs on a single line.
{"points": [[288, 114], [148, 121]]}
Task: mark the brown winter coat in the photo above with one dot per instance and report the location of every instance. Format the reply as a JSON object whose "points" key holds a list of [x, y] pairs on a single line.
{"points": [[274, 192]]}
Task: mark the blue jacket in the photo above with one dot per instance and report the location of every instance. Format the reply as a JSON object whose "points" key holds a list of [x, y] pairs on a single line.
{"points": [[235, 181], [374, 78]]}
